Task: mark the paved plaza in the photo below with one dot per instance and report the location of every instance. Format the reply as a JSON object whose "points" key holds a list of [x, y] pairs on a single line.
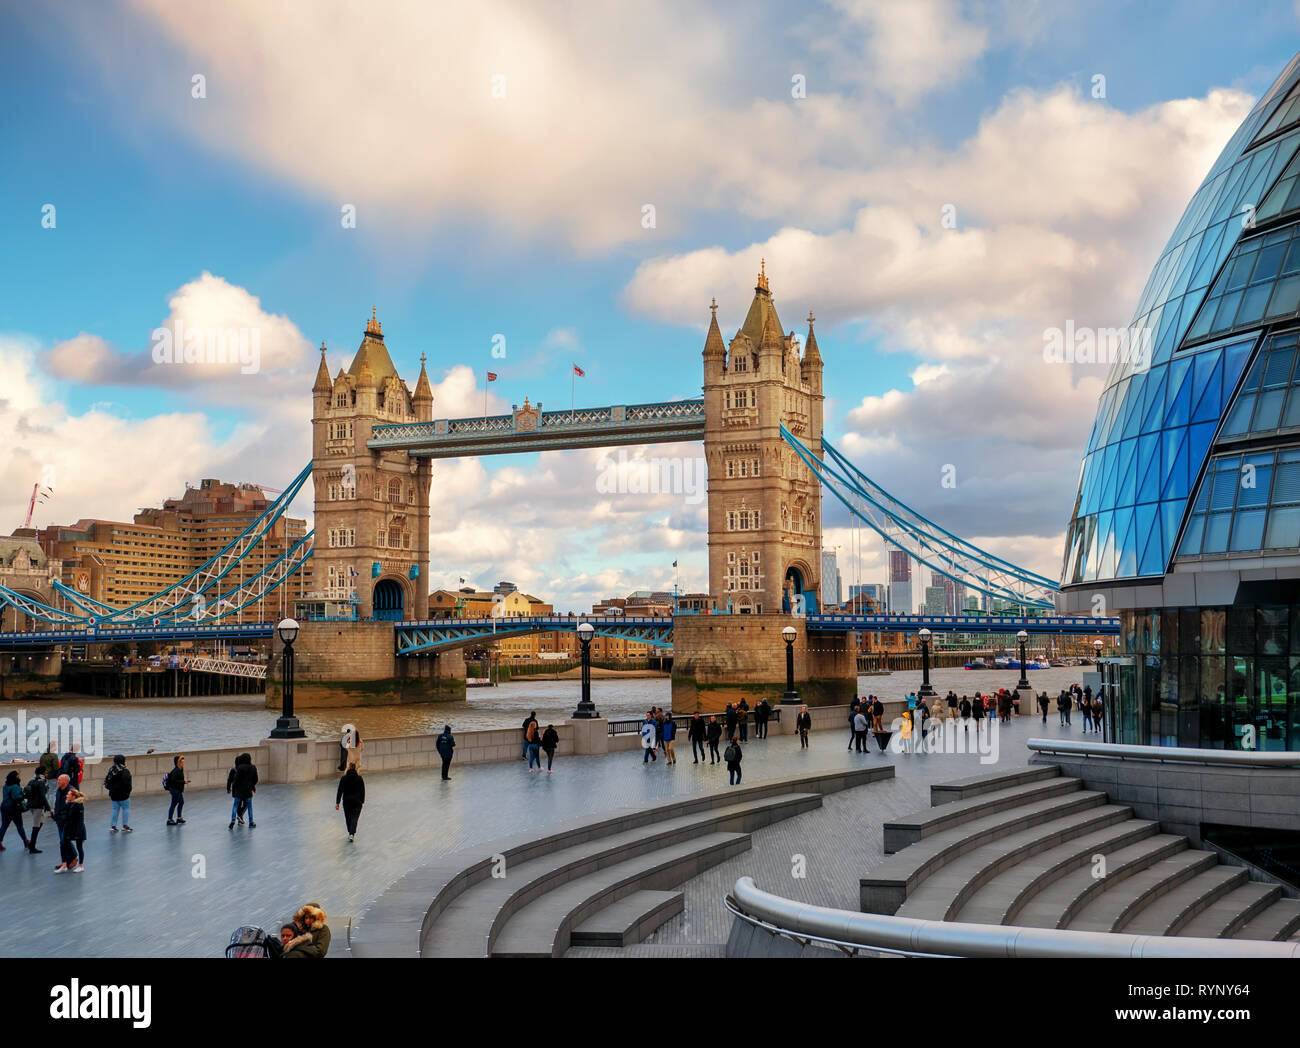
{"points": [[141, 894]]}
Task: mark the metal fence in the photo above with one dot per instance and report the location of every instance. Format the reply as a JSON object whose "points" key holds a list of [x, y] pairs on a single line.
{"points": [[681, 720]]}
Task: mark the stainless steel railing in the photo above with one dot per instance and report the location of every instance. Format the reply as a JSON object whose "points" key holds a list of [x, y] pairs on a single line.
{"points": [[853, 932], [1172, 754]]}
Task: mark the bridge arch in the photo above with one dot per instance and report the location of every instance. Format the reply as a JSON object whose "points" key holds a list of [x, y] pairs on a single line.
{"points": [[391, 599]]}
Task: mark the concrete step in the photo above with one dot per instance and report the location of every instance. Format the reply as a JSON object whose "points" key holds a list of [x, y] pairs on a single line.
{"points": [[1176, 907], [909, 829], [467, 926], [999, 898], [1055, 903], [890, 883], [542, 928], [629, 920], [1226, 915], [1278, 923], [975, 786], [944, 892], [1121, 901]]}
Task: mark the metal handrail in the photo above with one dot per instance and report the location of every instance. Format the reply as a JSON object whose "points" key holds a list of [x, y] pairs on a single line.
{"points": [[632, 726], [918, 938], [1171, 754]]}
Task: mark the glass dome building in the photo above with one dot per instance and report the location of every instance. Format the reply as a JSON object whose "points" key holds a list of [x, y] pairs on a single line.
{"points": [[1186, 522]]}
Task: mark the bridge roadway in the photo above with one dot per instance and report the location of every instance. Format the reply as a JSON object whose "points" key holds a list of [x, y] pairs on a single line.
{"points": [[139, 895], [411, 638]]}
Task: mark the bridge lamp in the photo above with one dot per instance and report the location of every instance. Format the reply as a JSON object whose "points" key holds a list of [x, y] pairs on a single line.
{"points": [[1023, 637], [1097, 646], [586, 708], [791, 697], [926, 689], [287, 726]]}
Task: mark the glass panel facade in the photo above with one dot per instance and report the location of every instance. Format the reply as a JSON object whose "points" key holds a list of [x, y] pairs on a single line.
{"points": [[1287, 114], [1259, 282], [1246, 503]]}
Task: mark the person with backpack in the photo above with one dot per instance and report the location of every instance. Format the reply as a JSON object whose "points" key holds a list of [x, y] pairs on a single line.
{"points": [[977, 711], [241, 784], [35, 793], [118, 785], [174, 783], [648, 739], [1097, 706], [923, 712], [803, 723], [11, 810], [550, 740], [729, 717], [49, 763], [530, 719], [732, 756], [695, 731], [70, 765], [446, 747], [534, 739], [762, 713], [72, 846], [670, 736], [352, 795], [714, 734]]}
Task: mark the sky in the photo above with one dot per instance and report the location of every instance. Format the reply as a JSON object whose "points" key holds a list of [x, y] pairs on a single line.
{"points": [[940, 182]]}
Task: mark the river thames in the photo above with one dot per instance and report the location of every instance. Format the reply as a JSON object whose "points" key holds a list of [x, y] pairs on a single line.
{"points": [[136, 726]]}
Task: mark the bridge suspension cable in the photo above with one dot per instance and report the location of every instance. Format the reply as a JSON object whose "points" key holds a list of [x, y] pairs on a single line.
{"points": [[937, 548]]}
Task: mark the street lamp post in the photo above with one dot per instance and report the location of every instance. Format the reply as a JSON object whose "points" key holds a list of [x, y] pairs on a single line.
{"points": [[586, 708], [927, 689], [791, 696], [1022, 636], [287, 726]]}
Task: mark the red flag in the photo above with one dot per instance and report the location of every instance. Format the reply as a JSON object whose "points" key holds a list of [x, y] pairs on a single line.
{"points": [[492, 376], [578, 371]]}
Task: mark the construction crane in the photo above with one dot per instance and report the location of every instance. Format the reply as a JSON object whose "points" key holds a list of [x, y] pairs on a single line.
{"points": [[39, 494]]}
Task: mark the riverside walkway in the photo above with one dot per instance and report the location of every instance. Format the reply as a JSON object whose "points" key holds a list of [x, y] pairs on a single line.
{"points": [[180, 891]]}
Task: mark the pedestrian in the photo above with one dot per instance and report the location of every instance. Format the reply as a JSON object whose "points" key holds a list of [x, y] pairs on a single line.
{"points": [[695, 732], [118, 785], [860, 731], [174, 783], [531, 718], [36, 794], [74, 832], [350, 747], [1096, 713], [966, 708], [853, 723], [977, 712], [11, 810], [1043, 703], [732, 756], [241, 784], [648, 739], [714, 735], [803, 723], [742, 720], [70, 765], [923, 725], [905, 732], [762, 714], [952, 706], [730, 718], [446, 747], [352, 795], [1064, 706], [550, 740], [659, 730], [991, 707], [49, 763], [1005, 712], [669, 733], [534, 746], [61, 787], [877, 713], [313, 939]]}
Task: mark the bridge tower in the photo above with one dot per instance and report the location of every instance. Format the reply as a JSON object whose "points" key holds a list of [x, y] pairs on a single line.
{"points": [[765, 521], [372, 507]]}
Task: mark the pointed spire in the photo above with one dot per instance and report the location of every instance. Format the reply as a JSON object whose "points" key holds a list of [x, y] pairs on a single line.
{"points": [[810, 353], [713, 346], [423, 391], [373, 327], [762, 284], [322, 383]]}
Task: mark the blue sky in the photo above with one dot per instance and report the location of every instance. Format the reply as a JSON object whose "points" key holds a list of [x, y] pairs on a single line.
{"points": [[539, 239]]}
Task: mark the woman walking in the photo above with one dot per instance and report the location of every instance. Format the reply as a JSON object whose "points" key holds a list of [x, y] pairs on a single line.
{"points": [[732, 756], [534, 745], [74, 833], [11, 810], [550, 740], [174, 783], [352, 795]]}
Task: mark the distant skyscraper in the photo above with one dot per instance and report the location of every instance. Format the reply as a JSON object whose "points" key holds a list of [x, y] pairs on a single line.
{"points": [[954, 593], [935, 596], [875, 592], [831, 584], [900, 583]]}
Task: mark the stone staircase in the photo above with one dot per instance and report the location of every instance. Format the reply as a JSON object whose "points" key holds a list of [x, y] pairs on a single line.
{"points": [[1036, 848], [606, 881]]}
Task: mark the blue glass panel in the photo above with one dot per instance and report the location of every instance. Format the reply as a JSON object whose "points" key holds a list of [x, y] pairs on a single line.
{"points": [[1126, 490], [1179, 399], [1286, 483], [1248, 530], [1171, 515], [1191, 544], [1254, 487], [1155, 411], [1176, 486], [1125, 543], [1283, 528], [1217, 526], [1147, 466], [1152, 561], [1199, 437], [1209, 386]]}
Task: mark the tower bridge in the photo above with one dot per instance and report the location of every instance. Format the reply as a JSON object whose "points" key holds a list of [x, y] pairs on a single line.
{"points": [[374, 440]]}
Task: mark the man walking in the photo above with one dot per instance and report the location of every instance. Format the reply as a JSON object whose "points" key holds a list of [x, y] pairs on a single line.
{"points": [[648, 739], [742, 718], [1043, 704], [38, 805], [695, 732], [118, 784], [242, 784], [733, 757], [860, 731], [446, 747], [761, 714], [853, 725], [804, 724], [670, 735], [714, 735]]}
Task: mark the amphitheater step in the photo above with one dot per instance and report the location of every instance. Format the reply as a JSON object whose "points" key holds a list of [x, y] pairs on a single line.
{"points": [[965, 789], [1054, 904], [629, 920], [892, 881], [925, 823], [999, 898], [1280, 922], [469, 923], [943, 893], [1121, 901], [1225, 916], [1176, 907], [542, 928]]}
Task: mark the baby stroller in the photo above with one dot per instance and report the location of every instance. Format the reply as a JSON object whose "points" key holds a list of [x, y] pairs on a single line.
{"points": [[250, 941]]}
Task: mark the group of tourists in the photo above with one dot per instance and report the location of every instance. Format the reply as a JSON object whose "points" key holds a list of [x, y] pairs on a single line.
{"points": [[306, 936], [659, 733], [68, 810], [1074, 698], [537, 741]]}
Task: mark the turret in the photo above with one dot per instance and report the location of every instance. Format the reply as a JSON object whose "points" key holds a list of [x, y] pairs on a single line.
{"points": [[423, 398], [811, 365]]}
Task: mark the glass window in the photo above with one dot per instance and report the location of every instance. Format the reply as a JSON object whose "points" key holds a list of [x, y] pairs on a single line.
{"points": [[1283, 528]]}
